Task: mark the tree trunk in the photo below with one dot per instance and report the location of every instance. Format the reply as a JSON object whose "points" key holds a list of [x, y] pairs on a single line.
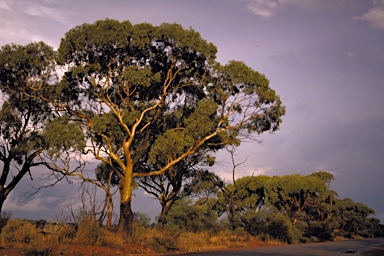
{"points": [[164, 212], [231, 215], [110, 212], [126, 219], [126, 215], [2, 199]]}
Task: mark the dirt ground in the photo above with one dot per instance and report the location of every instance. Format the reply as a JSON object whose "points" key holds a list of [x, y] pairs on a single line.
{"points": [[73, 250], [80, 250]]}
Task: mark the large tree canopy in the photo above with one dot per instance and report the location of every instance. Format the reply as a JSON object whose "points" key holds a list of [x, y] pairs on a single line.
{"points": [[27, 123], [22, 118], [149, 96]]}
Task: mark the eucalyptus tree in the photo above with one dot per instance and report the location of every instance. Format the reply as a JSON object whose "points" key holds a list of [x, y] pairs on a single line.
{"points": [[108, 176], [166, 187], [154, 95], [228, 199], [26, 122], [294, 194], [179, 181], [352, 217], [192, 216], [22, 118]]}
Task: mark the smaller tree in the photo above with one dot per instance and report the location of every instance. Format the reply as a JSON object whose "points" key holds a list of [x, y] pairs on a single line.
{"points": [[179, 181], [108, 177], [228, 200], [293, 194], [193, 217], [203, 185], [167, 187], [353, 217]]}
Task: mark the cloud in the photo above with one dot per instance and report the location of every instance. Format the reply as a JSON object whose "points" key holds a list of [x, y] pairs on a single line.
{"points": [[36, 203], [46, 9], [4, 5], [263, 8], [255, 171], [351, 55], [269, 8], [24, 21], [375, 15]]}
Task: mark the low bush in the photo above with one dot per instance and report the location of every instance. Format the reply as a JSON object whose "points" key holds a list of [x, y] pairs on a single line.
{"points": [[162, 240], [4, 217], [18, 231], [270, 225], [65, 233], [111, 238], [89, 232], [189, 217]]}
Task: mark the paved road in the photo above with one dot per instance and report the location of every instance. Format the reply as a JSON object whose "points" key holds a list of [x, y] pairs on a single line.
{"points": [[374, 246]]}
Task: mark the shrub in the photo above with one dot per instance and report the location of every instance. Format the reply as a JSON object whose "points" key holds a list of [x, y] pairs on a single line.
{"points": [[4, 217], [18, 231], [190, 217], [66, 233], [110, 238], [89, 232], [269, 224], [188, 241], [39, 248], [280, 227], [141, 219], [141, 223], [163, 240]]}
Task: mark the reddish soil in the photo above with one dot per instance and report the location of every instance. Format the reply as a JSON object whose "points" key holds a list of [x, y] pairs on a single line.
{"points": [[73, 250], [79, 250]]}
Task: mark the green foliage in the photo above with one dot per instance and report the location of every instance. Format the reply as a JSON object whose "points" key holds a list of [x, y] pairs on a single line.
{"points": [[147, 97], [106, 173], [269, 224], [203, 184], [186, 216], [21, 65], [325, 176], [142, 219], [170, 145], [294, 208], [26, 74], [71, 137], [352, 218], [293, 194]]}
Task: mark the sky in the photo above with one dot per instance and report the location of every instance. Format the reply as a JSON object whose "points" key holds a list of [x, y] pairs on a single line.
{"points": [[324, 58]]}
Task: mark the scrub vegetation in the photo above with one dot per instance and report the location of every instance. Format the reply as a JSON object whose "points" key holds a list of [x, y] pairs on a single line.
{"points": [[151, 106], [268, 211]]}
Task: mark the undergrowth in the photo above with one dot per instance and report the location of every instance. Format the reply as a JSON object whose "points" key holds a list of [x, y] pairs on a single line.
{"points": [[33, 239]]}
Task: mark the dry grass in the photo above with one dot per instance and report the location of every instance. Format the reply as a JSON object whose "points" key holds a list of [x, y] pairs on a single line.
{"points": [[88, 238]]}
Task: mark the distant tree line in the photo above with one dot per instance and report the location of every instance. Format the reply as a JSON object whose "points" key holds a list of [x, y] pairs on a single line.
{"points": [[290, 208]]}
